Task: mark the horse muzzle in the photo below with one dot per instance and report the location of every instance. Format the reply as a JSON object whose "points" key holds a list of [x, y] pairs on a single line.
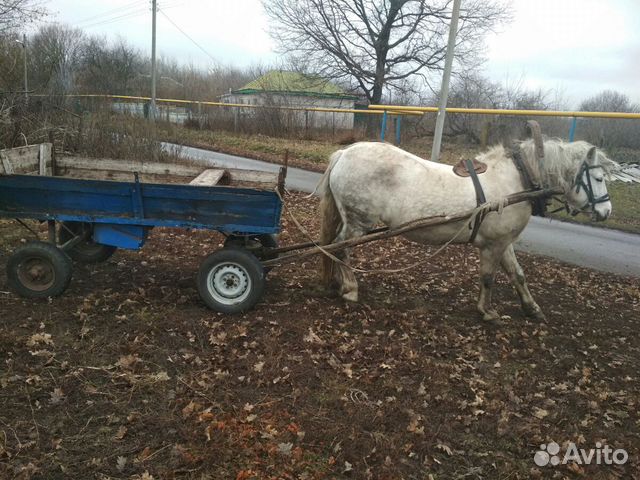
{"points": [[599, 216]]}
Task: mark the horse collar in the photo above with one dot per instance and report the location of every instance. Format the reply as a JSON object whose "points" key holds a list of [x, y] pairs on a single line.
{"points": [[539, 204]]}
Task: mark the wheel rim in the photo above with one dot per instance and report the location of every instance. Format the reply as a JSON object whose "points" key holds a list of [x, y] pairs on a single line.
{"points": [[229, 283], [37, 274]]}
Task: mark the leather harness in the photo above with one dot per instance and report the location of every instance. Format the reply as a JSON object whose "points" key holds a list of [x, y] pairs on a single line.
{"points": [[480, 198], [538, 204]]}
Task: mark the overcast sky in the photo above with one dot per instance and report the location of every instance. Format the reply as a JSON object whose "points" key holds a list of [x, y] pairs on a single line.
{"points": [[580, 47]]}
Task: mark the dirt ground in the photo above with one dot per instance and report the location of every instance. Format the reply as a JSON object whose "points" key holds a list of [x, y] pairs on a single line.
{"points": [[128, 375]]}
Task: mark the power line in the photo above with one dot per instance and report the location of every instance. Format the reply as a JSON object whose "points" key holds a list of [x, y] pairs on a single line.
{"points": [[119, 18], [188, 36], [108, 13]]}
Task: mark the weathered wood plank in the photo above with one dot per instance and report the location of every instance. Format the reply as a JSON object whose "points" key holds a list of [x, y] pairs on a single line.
{"points": [[208, 178], [25, 159], [108, 169], [253, 176], [155, 168], [42, 160], [117, 176], [6, 164]]}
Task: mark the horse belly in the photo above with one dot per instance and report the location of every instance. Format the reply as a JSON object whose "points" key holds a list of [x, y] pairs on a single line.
{"points": [[456, 232]]}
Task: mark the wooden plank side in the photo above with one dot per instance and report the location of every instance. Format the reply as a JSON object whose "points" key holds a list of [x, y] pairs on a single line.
{"points": [[7, 168], [64, 163], [46, 151], [42, 160], [238, 176], [23, 159], [220, 208], [118, 176], [208, 178]]}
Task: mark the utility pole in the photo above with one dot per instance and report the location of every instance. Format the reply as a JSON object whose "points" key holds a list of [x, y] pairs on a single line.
{"points": [[24, 48], [444, 89], [152, 110]]}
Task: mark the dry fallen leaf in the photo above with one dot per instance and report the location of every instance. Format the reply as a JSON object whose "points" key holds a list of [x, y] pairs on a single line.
{"points": [[122, 431], [56, 396], [540, 413], [127, 361], [38, 338], [121, 462], [285, 448]]}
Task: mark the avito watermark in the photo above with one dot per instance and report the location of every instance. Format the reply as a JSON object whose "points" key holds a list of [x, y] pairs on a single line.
{"points": [[550, 455]]}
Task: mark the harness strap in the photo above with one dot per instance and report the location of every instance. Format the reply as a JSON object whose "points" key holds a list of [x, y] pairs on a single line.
{"points": [[539, 204], [480, 199]]}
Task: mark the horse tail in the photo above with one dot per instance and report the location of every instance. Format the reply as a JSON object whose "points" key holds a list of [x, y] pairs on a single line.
{"points": [[330, 219]]}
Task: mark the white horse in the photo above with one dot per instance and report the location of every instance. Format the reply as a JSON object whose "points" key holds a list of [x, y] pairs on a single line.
{"points": [[370, 183]]}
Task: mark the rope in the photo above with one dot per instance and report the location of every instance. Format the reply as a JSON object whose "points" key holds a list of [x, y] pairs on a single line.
{"points": [[481, 210]]}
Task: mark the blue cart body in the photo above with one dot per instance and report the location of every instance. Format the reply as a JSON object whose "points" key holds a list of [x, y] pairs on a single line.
{"points": [[123, 212]]}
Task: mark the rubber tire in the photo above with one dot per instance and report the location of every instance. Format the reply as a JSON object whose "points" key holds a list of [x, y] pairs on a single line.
{"points": [[80, 255], [251, 266], [266, 240], [61, 263]]}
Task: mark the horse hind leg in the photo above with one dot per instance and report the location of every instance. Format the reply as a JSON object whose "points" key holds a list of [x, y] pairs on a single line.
{"points": [[513, 269], [342, 274]]}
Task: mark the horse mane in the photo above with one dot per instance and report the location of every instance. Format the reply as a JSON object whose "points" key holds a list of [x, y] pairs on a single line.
{"points": [[562, 160]]}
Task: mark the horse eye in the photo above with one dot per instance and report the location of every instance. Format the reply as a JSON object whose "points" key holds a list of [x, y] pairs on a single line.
{"points": [[599, 180]]}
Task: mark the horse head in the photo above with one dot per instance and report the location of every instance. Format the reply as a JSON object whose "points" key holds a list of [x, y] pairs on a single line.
{"points": [[588, 193]]}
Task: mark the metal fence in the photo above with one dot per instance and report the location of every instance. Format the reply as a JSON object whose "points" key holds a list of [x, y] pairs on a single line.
{"points": [[391, 123]]}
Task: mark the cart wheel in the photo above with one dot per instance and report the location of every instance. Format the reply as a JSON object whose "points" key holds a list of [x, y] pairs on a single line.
{"points": [[231, 281], [39, 270], [86, 251]]}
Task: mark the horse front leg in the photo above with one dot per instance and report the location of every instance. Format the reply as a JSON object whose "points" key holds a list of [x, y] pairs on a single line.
{"points": [[489, 259], [515, 273]]}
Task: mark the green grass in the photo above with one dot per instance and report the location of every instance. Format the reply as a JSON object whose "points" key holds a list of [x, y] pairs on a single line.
{"points": [[314, 151]]}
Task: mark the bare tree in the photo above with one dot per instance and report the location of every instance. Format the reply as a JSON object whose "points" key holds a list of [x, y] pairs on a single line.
{"points": [[55, 57], [609, 101], [609, 132], [379, 44], [109, 69], [15, 13]]}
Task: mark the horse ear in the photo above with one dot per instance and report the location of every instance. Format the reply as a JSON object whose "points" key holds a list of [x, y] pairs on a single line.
{"points": [[591, 154]]}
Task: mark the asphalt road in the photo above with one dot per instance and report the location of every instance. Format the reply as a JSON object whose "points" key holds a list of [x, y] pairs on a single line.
{"points": [[602, 249]]}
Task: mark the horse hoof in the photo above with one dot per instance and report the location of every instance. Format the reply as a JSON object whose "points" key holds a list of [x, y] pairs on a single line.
{"points": [[350, 297], [490, 316], [537, 315]]}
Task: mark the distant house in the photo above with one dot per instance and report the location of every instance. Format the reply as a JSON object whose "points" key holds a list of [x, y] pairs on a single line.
{"points": [[292, 89]]}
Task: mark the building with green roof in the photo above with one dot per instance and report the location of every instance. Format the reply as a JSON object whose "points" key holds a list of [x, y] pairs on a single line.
{"points": [[298, 90]]}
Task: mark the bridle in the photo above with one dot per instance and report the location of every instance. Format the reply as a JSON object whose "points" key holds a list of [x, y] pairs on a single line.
{"points": [[579, 183], [540, 204]]}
